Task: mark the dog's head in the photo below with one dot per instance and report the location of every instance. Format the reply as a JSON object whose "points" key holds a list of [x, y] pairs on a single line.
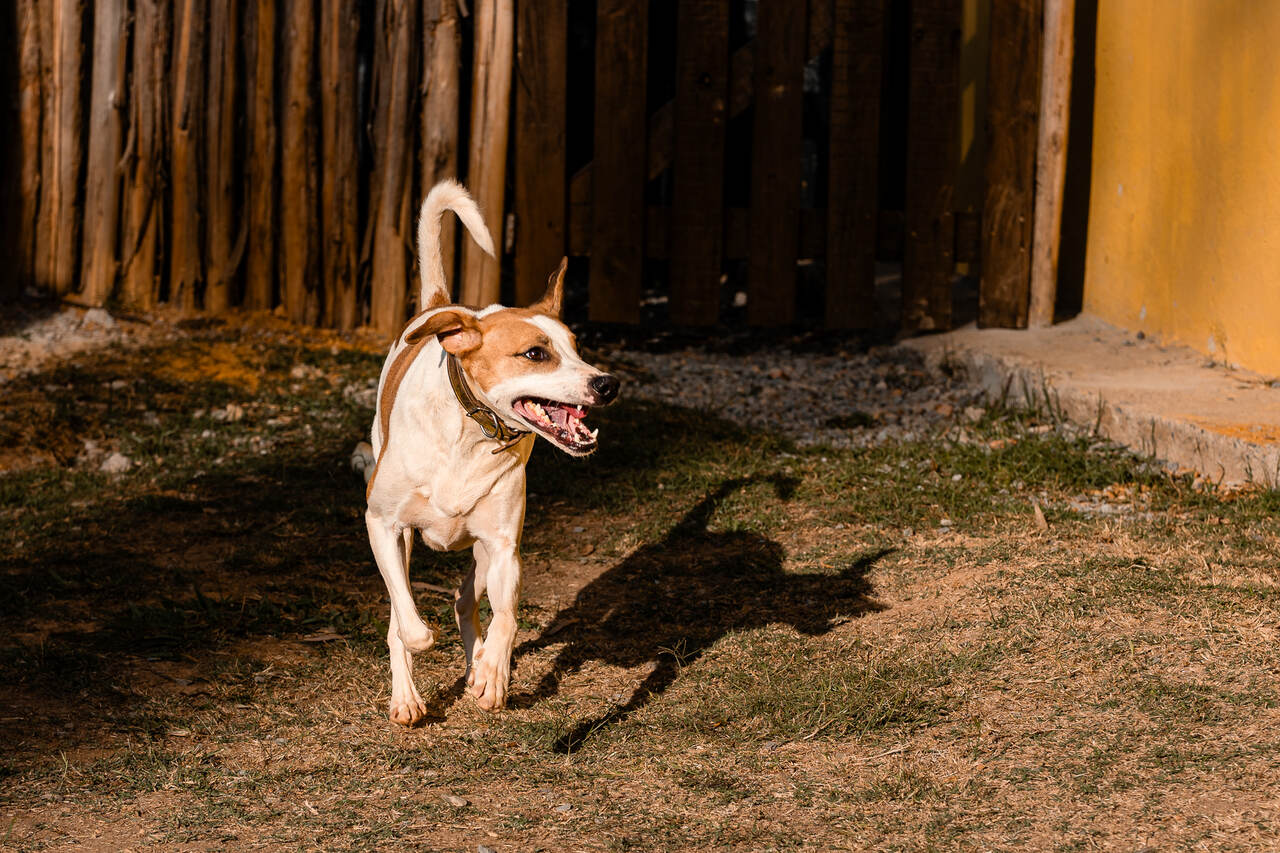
{"points": [[524, 363]]}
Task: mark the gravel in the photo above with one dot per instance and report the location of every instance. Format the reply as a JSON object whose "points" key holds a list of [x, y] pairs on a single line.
{"points": [[842, 400], [29, 342]]}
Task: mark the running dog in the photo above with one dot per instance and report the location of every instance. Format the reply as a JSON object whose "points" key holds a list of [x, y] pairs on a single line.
{"points": [[463, 394]]}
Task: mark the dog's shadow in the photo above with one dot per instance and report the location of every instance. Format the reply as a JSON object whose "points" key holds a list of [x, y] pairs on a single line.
{"points": [[668, 602]]}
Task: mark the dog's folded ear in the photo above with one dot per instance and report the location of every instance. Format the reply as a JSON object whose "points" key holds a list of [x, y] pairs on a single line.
{"points": [[552, 300], [457, 331]]}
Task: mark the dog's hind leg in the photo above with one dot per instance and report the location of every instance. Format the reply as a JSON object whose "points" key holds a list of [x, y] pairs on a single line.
{"points": [[466, 603], [491, 667]]}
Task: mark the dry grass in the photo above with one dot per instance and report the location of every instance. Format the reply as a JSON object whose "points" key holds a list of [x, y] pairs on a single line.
{"points": [[726, 643]]}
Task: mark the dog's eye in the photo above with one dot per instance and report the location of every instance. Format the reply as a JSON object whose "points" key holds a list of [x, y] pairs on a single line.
{"points": [[535, 354]]}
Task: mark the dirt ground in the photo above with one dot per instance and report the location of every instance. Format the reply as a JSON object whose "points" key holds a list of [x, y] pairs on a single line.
{"points": [[1005, 636]]}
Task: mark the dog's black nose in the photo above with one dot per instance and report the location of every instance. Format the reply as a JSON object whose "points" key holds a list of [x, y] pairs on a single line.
{"points": [[605, 388]]}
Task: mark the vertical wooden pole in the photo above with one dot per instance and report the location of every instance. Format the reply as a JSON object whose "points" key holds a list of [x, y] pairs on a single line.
{"points": [[775, 164], [1013, 104], [29, 122], [261, 156], [58, 240], [487, 151], [393, 60], [143, 203], [300, 165], [220, 162], [540, 179], [618, 165], [928, 263], [853, 174], [441, 42], [697, 214], [188, 75], [1051, 157], [102, 180], [340, 188]]}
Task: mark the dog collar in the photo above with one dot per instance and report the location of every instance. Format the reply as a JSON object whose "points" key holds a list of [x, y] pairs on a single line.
{"points": [[490, 424]]}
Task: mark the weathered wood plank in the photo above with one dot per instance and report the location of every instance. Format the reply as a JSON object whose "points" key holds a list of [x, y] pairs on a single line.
{"points": [[144, 202], [487, 151], [30, 83], [222, 222], [300, 169], [340, 141], [697, 223], [1051, 158], [928, 262], [441, 42], [58, 240], [618, 169], [540, 192], [853, 158], [262, 159], [1013, 104], [775, 165], [393, 73], [186, 269]]}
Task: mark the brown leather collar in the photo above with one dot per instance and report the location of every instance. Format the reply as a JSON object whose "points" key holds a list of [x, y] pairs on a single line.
{"points": [[490, 424]]}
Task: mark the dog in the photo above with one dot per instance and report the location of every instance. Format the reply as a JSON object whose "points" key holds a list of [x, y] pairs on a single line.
{"points": [[462, 397]]}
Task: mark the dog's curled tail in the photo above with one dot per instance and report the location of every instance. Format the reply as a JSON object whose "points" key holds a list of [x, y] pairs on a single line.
{"points": [[446, 195]]}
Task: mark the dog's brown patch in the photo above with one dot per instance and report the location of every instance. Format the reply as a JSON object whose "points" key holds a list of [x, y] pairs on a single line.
{"points": [[505, 334], [395, 375]]}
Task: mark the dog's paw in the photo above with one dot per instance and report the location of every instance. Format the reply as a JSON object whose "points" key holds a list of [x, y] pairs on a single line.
{"points": [[406, 710], [489, 683], [362, 460]]}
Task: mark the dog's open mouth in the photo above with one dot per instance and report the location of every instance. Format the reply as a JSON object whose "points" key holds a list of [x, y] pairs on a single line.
{"points": [[560, 422]]}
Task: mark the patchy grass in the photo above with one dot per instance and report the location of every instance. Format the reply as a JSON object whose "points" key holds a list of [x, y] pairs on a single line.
{"points": [[725, 641]]}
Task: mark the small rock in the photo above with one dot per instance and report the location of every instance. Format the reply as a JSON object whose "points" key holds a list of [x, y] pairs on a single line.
{"points": [[563, 808], [946, 522], [456, 801], [485, 848], [973, 414], [116, 463], [945, 409], [955, 478], [770, 745], [579, 529]]}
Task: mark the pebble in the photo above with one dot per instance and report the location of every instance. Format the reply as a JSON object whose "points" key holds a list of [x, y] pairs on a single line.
{"points": [[116, 463], [563, 808], [456, 801], [485, 848]]}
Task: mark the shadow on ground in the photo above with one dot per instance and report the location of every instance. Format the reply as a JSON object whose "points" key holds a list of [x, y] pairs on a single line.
{"points": [[669, 601]]}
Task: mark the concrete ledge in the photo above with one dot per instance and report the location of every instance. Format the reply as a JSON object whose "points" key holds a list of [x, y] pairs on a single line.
{"points": [[1167, 402]]}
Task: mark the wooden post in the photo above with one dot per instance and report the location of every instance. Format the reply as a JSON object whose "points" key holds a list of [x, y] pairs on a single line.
{"points": [[29, 121], [220, 162], [185, 262], [261, 157], [340, 187], [697, 214], [389, 203], [441, 58], [1051, 157], [618, 166], [143, 203], [58, 236], [853, 173], [1013, 103], [775, 164], [300, 166], [487, 151], [540, 185], [102, 180], [928, 262]]}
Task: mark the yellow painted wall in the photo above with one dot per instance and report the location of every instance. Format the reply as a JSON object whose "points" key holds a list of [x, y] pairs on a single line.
{"points": [[1184, 220]]}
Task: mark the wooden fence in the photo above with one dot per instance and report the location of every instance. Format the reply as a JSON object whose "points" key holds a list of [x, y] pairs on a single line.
{"points": [[271, 153]]}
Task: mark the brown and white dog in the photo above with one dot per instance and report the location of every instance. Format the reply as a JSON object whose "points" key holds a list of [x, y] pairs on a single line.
{"points": [[462, 396]]}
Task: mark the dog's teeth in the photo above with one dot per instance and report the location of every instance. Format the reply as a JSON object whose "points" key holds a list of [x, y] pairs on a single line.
{"points": [[593, 433]]}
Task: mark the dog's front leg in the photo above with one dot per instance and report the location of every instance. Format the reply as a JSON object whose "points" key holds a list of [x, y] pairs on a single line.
{"points": [[391, 555], [491, 666]]}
